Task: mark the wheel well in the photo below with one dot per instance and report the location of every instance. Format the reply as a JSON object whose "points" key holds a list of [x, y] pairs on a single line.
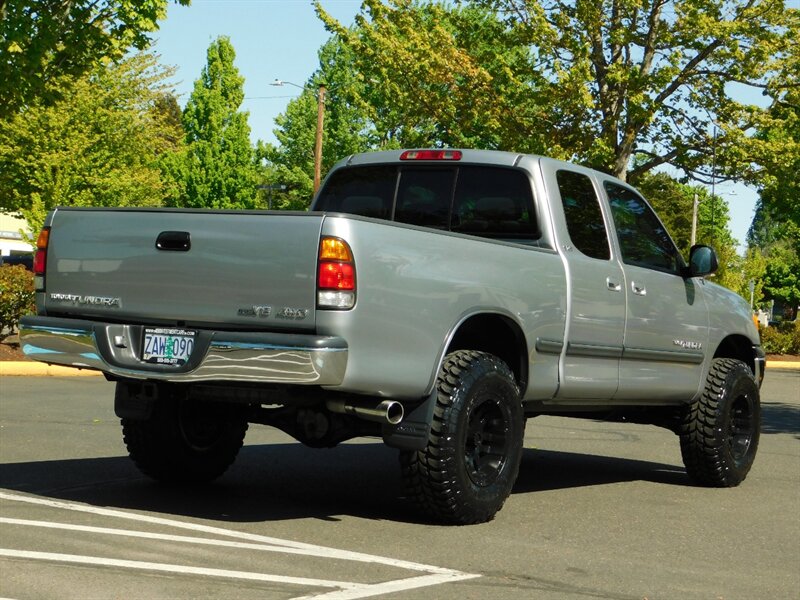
{"points": [[738, 347], [496, 335]]}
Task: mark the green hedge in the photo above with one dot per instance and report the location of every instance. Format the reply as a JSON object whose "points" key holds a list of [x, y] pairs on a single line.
{"points": [[16, 297], [782, 339]]}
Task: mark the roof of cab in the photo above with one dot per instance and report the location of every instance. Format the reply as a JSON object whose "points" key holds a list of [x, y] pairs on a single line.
{"points": [[486, 157]]}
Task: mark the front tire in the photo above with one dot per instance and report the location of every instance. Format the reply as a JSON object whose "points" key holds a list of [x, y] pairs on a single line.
{"points": [[471, 461], [720, 431], [185, 441]]}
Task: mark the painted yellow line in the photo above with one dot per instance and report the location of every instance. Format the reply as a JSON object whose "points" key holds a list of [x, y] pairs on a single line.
{"points": [[783, 364], [9, 368]]}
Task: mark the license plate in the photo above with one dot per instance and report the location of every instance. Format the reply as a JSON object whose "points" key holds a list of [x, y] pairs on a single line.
{"points": [[166, 346]]}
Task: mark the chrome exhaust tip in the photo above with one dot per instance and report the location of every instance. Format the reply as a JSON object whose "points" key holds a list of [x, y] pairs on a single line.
{"points": [[386, 411]]}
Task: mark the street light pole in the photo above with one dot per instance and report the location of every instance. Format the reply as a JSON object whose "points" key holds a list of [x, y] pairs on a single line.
{"points": [[713, 182], [320, 124], [694, 220]]}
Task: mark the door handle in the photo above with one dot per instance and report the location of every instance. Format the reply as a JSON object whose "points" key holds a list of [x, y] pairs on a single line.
{"points": [[639, 290], [612, 285]]}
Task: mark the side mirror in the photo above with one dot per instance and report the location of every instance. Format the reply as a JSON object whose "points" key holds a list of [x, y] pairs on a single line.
{"points": [[702, 261]]}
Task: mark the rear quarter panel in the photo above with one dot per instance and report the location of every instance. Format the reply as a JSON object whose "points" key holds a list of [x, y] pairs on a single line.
{"points": [[414, 286]]}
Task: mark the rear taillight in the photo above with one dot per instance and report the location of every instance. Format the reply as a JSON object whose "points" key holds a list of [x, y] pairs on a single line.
{"points": [[336, 275], [431, 155], [40, 258]]}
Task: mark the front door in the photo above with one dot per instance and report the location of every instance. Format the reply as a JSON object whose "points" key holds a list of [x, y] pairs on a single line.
{"points": [[666, 331]]}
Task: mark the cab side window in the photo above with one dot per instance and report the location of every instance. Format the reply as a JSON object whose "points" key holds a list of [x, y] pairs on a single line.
{"points": [[495, 203], [643, 240], [585, 224]]}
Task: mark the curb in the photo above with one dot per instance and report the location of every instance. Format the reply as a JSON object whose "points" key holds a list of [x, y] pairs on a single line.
{"points": [[9, 368], [24, 368], [786, 365]]}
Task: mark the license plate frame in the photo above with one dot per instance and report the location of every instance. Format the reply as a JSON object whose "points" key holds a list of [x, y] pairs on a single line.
{"points": [[169, 346]]}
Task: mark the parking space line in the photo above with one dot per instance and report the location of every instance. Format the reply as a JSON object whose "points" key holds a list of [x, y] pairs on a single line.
{"points": [[387, 587], [167, 568], [164, 537], [344, 590], [310, 549]]}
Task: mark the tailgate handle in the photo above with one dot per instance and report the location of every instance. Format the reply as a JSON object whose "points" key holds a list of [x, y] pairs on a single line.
{"points": [[174, 241]]}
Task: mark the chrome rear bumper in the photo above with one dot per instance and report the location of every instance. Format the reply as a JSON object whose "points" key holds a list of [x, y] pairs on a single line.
{"points": [[218, 356]]}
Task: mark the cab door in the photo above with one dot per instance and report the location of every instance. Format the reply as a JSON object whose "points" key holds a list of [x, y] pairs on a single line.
{"points": [[596, 297], [666, 325]]}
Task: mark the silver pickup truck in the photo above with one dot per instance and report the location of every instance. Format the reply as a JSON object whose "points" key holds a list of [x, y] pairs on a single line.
{"points": [[434, 298]]}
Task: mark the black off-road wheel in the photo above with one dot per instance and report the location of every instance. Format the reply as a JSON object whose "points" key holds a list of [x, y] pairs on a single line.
{"points": [[185, 441], [719, 432], [466, 472]]}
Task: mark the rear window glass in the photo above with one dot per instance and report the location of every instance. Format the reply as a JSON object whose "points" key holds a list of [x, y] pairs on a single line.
{"points": [[367, 191], [490, 202]]}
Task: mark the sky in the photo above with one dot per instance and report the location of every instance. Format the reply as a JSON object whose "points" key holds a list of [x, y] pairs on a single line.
{"points": [[279, 39]]}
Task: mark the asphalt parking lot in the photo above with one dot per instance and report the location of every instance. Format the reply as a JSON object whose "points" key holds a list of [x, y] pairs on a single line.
{"points": [[599, 511]]}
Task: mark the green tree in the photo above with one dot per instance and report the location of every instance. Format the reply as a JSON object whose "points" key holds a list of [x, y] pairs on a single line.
{"points": [[673, 202], [782, 278], [595, 81], [775, 231], [776, 238], [46, 44], [780, 193], [346, 129], [713, 229], [219, 170], [439, 75], [754, 268], [100, 146]]}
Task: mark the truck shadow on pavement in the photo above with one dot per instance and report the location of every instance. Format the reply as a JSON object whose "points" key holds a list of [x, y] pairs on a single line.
{"points": [[777, 417], [288, 481]]}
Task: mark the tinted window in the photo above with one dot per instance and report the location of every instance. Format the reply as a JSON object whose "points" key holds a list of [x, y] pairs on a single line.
{"points": [[642, 238], [493, 202], [486, 201], [365, 191], [423, 197], [582, 211]]}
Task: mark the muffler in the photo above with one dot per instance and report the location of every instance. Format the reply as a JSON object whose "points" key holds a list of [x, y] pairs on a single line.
{"points": [[386, 411]]}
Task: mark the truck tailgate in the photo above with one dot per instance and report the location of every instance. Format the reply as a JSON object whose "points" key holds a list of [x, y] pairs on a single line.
{"points": [[240, 270]]}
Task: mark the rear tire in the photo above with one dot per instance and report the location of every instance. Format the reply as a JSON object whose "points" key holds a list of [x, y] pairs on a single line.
{"points": [[720, 431], [185, 441], [471, 461]]}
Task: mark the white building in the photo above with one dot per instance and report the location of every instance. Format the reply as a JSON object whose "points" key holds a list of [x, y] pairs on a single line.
{"points": [[11, 239]]}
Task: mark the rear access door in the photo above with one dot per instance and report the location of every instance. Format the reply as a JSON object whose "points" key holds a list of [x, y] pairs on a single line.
{"points": [[595, 304]]}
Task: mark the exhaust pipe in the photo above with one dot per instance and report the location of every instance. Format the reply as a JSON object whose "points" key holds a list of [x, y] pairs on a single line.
{"points": [[386, 411]]}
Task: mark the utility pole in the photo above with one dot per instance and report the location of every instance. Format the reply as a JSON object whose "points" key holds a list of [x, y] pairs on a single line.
{"points": [[694, 221], [318, 145], [320, 123]]}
